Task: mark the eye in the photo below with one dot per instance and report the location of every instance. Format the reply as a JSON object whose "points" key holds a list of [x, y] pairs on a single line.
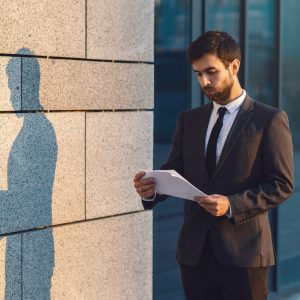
{"points": [[211, 72]]}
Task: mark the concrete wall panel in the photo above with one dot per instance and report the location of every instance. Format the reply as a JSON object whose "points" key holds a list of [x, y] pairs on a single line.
{"points": [[48, 27], [42, 174], [120, 30], [68, 198], [118, 145], [91, 85], [10, 83], [108, 259]]}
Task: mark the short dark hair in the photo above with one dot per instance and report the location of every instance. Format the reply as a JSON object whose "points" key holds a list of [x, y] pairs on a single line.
{"points": [[219, 43]]}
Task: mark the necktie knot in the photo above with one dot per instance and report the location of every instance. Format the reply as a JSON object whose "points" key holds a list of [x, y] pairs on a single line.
{"points": [[221, 111]]}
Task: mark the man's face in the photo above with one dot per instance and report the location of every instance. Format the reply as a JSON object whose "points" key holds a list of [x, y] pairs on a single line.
{"points": [[215, 79]]}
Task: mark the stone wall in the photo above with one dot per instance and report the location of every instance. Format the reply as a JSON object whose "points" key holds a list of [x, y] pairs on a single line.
{"points": [[76, 124]]}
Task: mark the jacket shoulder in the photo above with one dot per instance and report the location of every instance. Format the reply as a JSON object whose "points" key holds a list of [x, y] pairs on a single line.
{"points": [[196, 111]]}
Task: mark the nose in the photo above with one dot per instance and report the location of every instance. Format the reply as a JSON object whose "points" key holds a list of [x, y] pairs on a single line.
{"points": [[204, 81]]}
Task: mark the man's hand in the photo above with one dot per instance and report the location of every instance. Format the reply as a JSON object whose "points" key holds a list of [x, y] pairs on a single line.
{"points": [[144, 187], [217, 205]]}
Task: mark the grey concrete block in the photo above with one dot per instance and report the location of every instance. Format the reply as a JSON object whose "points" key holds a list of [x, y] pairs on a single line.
{"points": [[118, 145], [120, 30], [49, 27], [66, 85], [10, 83], [108, 259], [10, 267], [42, 172]]}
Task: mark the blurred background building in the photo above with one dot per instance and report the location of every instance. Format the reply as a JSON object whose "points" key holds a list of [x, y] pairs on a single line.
{"points": [[267, 31]]}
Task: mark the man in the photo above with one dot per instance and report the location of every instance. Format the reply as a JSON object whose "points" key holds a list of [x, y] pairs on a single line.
{"points": [[239, 152]]}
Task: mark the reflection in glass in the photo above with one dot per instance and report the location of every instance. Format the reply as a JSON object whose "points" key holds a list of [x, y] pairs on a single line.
{"points": [[223, 15], [260, 52], [172, 95], [171, 68], [289, 221]]}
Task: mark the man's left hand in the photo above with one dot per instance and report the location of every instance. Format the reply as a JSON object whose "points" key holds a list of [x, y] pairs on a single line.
{"points": [[217, 205]]}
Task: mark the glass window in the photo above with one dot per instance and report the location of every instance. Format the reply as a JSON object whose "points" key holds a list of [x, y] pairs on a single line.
{"points": [[223, 15], [172, 95], [260, 50], [288, 217]]}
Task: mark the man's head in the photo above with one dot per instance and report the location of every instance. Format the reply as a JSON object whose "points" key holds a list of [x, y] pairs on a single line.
{"points": [[216, 59]]}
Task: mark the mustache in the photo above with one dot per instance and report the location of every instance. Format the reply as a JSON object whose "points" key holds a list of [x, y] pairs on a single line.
{"points": [[208, 88]]}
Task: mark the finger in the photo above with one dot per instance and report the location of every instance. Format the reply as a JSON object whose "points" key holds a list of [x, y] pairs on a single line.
{"points": [[212, 211], [199, 198], [143, 182], [144, 188], [139, 176], [147, 194], [209, 207], [206, 200]]}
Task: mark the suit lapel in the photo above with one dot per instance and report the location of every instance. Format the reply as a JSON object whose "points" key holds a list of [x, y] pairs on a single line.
{"points": [[243, 117], [201, 124]]}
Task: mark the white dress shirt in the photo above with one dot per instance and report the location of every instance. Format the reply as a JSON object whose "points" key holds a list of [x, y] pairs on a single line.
{"points": [[229, 117]]}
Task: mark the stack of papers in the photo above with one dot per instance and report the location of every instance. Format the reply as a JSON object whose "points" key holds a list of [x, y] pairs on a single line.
{"points": [[169, 182]]}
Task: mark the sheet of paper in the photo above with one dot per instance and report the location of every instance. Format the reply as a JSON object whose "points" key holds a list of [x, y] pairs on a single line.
{"points": [[169, 182]]}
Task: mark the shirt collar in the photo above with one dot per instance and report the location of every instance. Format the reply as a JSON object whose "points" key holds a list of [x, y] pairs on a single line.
{"points": [[233, 105]]}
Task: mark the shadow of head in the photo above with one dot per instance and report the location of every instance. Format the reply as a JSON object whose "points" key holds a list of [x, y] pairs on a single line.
{"points": [[30, 82]]}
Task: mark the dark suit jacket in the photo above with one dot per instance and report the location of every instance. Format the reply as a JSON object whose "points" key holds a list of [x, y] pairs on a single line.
{"points": [[255, 171]]}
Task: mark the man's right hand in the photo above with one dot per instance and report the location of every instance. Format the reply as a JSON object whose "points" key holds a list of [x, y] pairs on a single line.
{"points": [[144, 187]]}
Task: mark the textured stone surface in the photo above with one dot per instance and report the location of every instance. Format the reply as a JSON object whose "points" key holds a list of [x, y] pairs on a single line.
{"points": [[38, 257], [68, 199], [42, 172], [108, 259], [48, 27], [10, 84], [10, 267], [10, 128], [89, 85], [118, 145], [120, 30]]}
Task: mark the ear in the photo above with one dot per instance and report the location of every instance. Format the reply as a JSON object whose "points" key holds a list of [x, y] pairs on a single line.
{"points": [[235, 66]]}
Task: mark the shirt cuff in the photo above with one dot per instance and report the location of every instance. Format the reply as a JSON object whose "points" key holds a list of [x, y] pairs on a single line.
{"points": [[150, 199], [229, 212]]}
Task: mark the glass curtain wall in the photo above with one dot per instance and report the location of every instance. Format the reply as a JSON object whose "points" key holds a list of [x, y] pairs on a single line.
{"points": [[172, 95], [223, 15], [288, 214], [260, 54], [270, 74]]}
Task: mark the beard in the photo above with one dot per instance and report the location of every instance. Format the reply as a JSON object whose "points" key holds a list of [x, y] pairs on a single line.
{"points": [[219, 95]]}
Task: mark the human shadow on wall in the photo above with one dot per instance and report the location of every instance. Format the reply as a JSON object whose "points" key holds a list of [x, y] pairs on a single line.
{"points": [[27, 203]]}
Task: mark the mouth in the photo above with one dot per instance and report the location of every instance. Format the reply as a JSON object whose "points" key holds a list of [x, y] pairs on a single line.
{"points": [[209, 90]]}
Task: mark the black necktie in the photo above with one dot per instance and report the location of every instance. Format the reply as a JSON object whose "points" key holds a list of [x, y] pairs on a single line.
{"points": [[211, 160]]}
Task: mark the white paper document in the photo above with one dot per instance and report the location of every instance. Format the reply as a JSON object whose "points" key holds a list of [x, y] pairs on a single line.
{"points": [[169, 182]]}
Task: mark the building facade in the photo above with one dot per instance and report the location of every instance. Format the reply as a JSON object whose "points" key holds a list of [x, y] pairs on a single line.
{"points": [[267, 31], [76, 124]]}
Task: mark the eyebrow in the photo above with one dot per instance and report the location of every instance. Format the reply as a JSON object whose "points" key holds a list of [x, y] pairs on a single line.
{"points": [[205, 70]]}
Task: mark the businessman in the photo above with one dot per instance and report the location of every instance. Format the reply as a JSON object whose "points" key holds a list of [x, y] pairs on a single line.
{"points": [[239, 152]]}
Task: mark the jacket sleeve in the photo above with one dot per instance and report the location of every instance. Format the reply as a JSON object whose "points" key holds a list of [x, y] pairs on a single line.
{"points": [[174, 160], [277, 180]]}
